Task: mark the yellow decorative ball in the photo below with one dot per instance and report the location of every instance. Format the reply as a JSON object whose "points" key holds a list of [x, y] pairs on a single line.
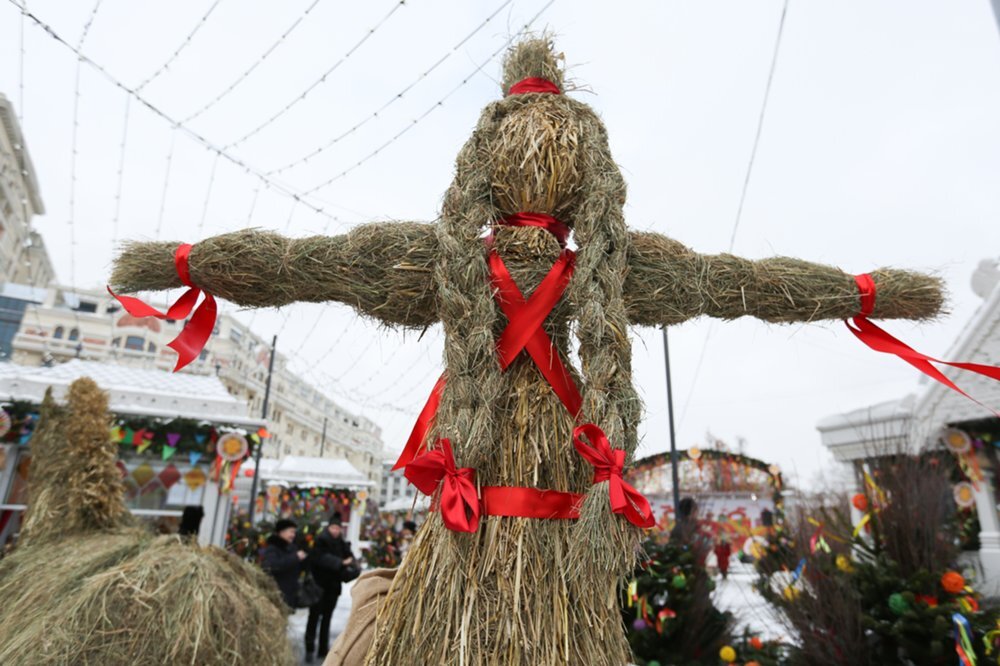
{"points": [[844, 563], [727, 654]]}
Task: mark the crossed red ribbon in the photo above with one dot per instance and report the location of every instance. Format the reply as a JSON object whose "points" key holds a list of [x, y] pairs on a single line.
{"points": [[196, 332], [458, 501], [608, 466], [881, 341]]}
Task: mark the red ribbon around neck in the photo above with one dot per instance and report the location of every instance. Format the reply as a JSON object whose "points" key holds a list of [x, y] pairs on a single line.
{"points": [[534, 84], [196, 332], [608, 466], [881, 341], [458, 501], [558, 229]]}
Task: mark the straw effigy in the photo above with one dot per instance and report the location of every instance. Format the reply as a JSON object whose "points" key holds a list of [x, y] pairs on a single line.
{"points": [[87, 586], [520, 590]]}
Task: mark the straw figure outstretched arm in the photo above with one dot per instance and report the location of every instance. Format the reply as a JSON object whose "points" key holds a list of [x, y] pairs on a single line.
{"points": [[384, 270], [668, 283]]}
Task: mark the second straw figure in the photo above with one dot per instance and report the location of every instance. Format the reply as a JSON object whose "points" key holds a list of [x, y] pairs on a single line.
{"points": [[534, 527]]}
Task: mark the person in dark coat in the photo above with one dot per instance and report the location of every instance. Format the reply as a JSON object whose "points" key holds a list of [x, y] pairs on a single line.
{"points": [[330, 554], [283, 559], [191, 521]]}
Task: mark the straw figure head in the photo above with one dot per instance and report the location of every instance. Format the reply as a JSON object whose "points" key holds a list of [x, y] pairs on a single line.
{"points": [[540, 153]]}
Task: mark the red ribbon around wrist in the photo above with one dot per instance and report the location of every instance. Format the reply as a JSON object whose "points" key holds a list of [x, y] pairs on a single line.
{"points": [[609, 465], [881, 341], [458, 500], [534, 84], [196, 332]]}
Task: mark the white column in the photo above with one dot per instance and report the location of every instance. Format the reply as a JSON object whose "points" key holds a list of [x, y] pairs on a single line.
{"points": [[354, 526], [989, 535]]}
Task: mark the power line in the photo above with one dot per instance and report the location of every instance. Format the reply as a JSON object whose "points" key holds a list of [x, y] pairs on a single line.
{"points": [[184, 44], [434, 106], [395, 98], [257, 63], [277, 186], [321, 80], [743, 192]]}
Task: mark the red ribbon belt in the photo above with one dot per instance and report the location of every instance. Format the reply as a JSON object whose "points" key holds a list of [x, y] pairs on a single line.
{"points": [[196, 332], [533, 84], [458, 501], [881, 341], [608, 466]]}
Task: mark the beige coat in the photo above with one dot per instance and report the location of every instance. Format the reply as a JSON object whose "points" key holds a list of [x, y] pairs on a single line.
{"points": [[367, 593]]}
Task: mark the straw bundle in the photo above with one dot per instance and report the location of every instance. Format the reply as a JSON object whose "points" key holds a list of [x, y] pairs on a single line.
{"points": [[521, 591], [86, 587]]}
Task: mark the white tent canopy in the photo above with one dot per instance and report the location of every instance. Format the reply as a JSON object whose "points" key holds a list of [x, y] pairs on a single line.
{"points": [[305, 471]]}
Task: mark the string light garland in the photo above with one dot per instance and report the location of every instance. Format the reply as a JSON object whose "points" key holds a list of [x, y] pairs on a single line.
{"points": [[431, 109], [318, 82], [166, 183], [120, 174], [392, 100], [257, 63], [184, 44]]}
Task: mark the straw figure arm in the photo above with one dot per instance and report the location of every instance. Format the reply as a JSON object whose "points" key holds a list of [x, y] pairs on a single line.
{"points": [[668, 283], [384, 270]]}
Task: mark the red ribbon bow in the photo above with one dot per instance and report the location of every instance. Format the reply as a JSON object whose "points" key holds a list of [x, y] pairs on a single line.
{"points": [[196, 332], [533, 84], [459, 501], [608, 466], [881, 341]]}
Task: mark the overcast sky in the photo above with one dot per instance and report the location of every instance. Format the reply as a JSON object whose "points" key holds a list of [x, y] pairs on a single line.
{"points": [[881, 147]]}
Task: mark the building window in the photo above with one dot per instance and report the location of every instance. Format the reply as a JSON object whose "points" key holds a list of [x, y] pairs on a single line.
{"points": [[135, 343], [117, 342], [74, 334], [59, 333], [87, 306], [151, 348]]}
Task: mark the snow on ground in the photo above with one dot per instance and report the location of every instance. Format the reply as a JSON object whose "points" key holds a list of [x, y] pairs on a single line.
{"points": [[297, 624], [737, 595]]}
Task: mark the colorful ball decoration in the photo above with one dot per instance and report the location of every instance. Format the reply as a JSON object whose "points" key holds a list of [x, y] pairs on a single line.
{"points": [[4, 422], [957, 441], [752, 662], [639, 624], [952, 582], [679, 582], [232, 447], [898, 603], [756, 644], [964, 494], [860, 502], [844, 563], [727, 654]]}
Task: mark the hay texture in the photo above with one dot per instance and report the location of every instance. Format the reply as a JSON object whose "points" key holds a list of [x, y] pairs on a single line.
{"points": [[86, 586], [522, 591]]}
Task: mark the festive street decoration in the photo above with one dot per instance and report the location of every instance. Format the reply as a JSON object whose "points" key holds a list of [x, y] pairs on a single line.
{"points": [[5, 423], [537, 168], [964, 494]]}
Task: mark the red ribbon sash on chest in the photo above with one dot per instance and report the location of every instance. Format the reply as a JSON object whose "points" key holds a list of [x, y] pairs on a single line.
{"points": [[429, 470]]}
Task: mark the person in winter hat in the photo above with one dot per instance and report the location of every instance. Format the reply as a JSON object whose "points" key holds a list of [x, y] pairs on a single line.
{"points": [[283, 559], [328, 559]]}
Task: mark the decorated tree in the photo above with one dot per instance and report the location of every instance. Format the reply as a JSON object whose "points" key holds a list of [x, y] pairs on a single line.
{"points": [[525, 454]]}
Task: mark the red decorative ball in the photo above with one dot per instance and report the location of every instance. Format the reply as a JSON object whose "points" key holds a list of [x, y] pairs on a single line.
{"points": [[860, 502], [952, 582], [756, 644]]}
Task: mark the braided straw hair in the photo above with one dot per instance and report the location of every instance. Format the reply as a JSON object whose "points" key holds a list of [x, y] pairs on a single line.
{"points": [[540, 153]]}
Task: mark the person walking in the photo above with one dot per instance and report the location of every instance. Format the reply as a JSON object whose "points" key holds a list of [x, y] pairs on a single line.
{"points": [[329, 558], [723, 550], [283, 559]]}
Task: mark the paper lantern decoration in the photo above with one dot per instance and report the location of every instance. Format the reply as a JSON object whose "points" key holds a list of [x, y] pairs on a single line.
{"points": [[727, 654], [169, 476], [964, 494], [4, 422], [195, 478], [957, 441], [143, 474], [952, 582], [694, 453], [860, 502], [232, 447]]}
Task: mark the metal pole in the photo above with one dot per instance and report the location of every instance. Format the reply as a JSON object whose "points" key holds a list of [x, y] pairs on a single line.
{"points": [[263, 415], [673, 438], [996, 11], [322, 444]]}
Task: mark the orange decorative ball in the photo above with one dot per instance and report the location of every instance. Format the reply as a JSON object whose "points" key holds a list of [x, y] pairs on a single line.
{"points": [[752, 663], [756, 644], [860, 502], [952, 582]]}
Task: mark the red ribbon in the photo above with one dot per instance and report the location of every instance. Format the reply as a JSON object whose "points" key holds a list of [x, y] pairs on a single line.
{"points": [[196, 332], [518, 502], [534, 84], [608, 466], [881, 341], [558, 229], [418, 436], [458, 502]]}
